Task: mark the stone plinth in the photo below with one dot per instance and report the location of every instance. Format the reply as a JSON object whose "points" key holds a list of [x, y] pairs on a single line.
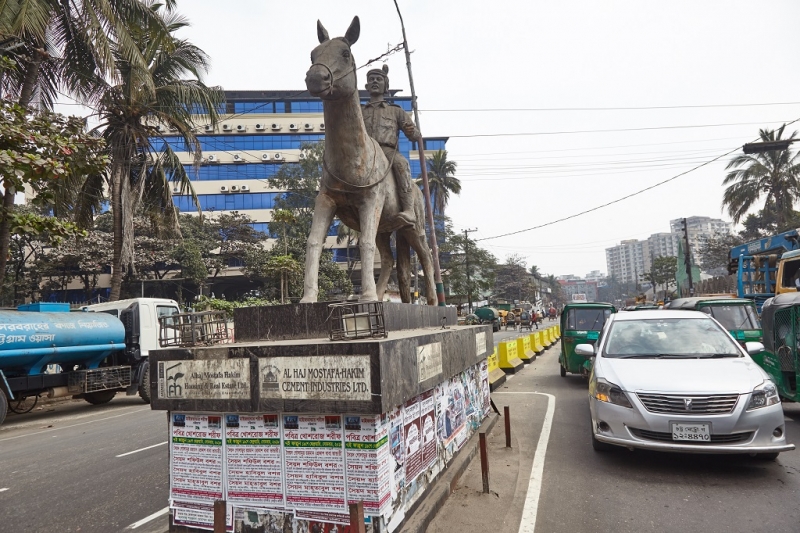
{"points": [[309, 321], [366, 376]]}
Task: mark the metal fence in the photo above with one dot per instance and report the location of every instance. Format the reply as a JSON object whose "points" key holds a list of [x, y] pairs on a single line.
{"points": [[193, 329]]}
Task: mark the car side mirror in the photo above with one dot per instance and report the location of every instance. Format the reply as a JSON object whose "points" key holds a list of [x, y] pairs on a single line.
{"points": [[753, 347], [586, 350]]}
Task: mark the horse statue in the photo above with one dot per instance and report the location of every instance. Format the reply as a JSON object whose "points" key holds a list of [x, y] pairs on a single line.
{"points": [[357, 183]]}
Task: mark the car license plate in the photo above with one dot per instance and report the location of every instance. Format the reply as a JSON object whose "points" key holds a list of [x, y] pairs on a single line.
{"points": [[691, 432]]}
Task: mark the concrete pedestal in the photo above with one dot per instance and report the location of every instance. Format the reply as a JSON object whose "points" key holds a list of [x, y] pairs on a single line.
{"points": [[296, 429]]}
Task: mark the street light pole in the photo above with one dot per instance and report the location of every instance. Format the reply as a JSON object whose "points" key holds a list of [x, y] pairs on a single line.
{"points": [[466, 257], [437, 271]]}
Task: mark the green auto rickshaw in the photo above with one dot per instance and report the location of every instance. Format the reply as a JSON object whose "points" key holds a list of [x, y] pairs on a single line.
{"points": [[780, 317], [581, 323], [738, 315]]}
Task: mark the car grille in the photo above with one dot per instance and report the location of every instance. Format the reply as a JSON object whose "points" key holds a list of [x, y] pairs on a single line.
{"points": [[731, 438], [700, 405]]}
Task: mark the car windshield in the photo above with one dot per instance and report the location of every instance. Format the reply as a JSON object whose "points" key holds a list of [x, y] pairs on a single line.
{"points": [[734, 317], [665, 337], [587, 319]]}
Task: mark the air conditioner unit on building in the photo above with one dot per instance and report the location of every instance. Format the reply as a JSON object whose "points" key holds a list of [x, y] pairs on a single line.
{"points": [[173, 128], [278, 157], [176, 190], [213, 159], [241, 128], [237, 158], [208, 127], [265, 157], [260, 127], [294, 127], [244, 188], [275, 126], [322, 127], [223, 188], [308, 126], [234, 188], [226, 127]]}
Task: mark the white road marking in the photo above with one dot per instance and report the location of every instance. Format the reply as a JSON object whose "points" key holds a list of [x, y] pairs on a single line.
{"points": [[141, 449], [50, 430], [531, 507], [3, 490], [147, 519]]}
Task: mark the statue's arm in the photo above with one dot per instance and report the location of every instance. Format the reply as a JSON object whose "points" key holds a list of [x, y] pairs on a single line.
{"points": [[407, 125]]}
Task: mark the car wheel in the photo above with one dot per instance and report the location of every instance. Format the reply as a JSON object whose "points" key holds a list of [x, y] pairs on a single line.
{"points": [[767, 456], [562, 370], [599, 446]]}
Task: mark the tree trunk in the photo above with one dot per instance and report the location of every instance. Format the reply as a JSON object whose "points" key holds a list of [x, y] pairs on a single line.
{"points": [[116, 213]]}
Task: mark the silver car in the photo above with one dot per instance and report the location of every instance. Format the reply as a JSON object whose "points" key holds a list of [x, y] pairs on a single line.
{"points": [[676, 381]]}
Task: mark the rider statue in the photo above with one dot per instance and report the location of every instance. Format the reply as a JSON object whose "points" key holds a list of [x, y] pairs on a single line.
{"points": [[384, 121]]}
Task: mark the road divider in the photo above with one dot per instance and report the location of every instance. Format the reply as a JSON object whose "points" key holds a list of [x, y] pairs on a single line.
{"points": [[536, 344], [524, 350], [509, 360], [496, 375]]}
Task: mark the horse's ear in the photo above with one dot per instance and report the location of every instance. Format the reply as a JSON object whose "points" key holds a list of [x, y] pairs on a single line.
{"points": [[353, 31], [322, 33]]}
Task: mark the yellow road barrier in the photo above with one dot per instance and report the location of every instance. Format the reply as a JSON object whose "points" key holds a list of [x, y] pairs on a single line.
{"points": [[524, 349], [496, 375], [536, 344], [509, 362]]}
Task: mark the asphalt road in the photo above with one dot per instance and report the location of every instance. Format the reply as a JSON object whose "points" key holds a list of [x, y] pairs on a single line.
{"points": [[60, 468], [575, 489]]}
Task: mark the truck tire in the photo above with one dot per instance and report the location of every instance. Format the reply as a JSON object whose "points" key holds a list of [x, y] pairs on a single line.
{"points": [[144, 386], [100, 397], [3, 406]]}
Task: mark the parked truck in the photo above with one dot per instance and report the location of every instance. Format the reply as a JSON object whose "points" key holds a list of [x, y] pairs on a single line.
{"points": [[99, 351]]}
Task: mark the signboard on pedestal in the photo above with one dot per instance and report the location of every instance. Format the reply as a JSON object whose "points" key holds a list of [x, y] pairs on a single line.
{"points": [[429, 361], [213, 379], [319, 377]]}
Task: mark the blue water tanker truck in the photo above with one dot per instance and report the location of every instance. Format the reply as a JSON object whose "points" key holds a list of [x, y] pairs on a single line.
{"points": [[92, 354]]}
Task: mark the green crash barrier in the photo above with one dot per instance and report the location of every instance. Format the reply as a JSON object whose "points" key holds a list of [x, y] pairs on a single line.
{"points": [[496, 375], [509, 362], [536, 344], [524, 350]]}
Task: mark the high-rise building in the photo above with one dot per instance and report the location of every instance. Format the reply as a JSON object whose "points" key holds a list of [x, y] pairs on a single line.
{"points": [[629, 261]]}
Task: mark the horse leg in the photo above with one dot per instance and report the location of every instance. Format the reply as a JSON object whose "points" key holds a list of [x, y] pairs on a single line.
{"points": [[404, 268], [420, 246], [387, 261], [324, 210], [369, 214]]}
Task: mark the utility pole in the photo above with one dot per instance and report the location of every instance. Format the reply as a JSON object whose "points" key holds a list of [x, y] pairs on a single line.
{"points": [[423, 163], [466, 257], [687, 256]]}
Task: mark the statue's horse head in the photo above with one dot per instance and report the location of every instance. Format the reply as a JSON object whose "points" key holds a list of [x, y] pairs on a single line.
{"points": [[333, 70]]}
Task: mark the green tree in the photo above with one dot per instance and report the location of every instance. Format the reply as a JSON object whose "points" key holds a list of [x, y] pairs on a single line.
{"points": [[36, 150], [301, 183], [715, 253], [662, 272], [441, 180], [467, 269], [513, 282], [130, 104], [770, 175]]}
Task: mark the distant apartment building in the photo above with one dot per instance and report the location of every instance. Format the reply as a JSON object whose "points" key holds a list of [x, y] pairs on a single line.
{"points": [[628, 261]]}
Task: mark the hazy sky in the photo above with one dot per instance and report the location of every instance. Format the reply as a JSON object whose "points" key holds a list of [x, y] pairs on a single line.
{"points": [[558, 67]]}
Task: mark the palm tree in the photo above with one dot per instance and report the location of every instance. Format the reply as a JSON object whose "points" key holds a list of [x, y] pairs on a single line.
{"points": [[441, 180], [130, 110], [773, 174], [45, 44]]}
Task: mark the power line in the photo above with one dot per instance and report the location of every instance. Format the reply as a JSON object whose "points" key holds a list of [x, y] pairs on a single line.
{"points": [[653, 128], [538, 109], [624, 197]]}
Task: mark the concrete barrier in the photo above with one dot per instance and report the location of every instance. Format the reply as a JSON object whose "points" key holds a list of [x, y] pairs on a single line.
{"points": [[536, 344], [540, 339], [509, 361], [558, 331], [524, 349], [550, 338], [496, 375]]}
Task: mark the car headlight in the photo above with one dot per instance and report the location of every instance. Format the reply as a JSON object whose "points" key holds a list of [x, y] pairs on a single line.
{"points": [[604, 391], [764, 395]]}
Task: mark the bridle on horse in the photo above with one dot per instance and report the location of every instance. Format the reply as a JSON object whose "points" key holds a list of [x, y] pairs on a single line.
{"points": [[374, 154]]}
